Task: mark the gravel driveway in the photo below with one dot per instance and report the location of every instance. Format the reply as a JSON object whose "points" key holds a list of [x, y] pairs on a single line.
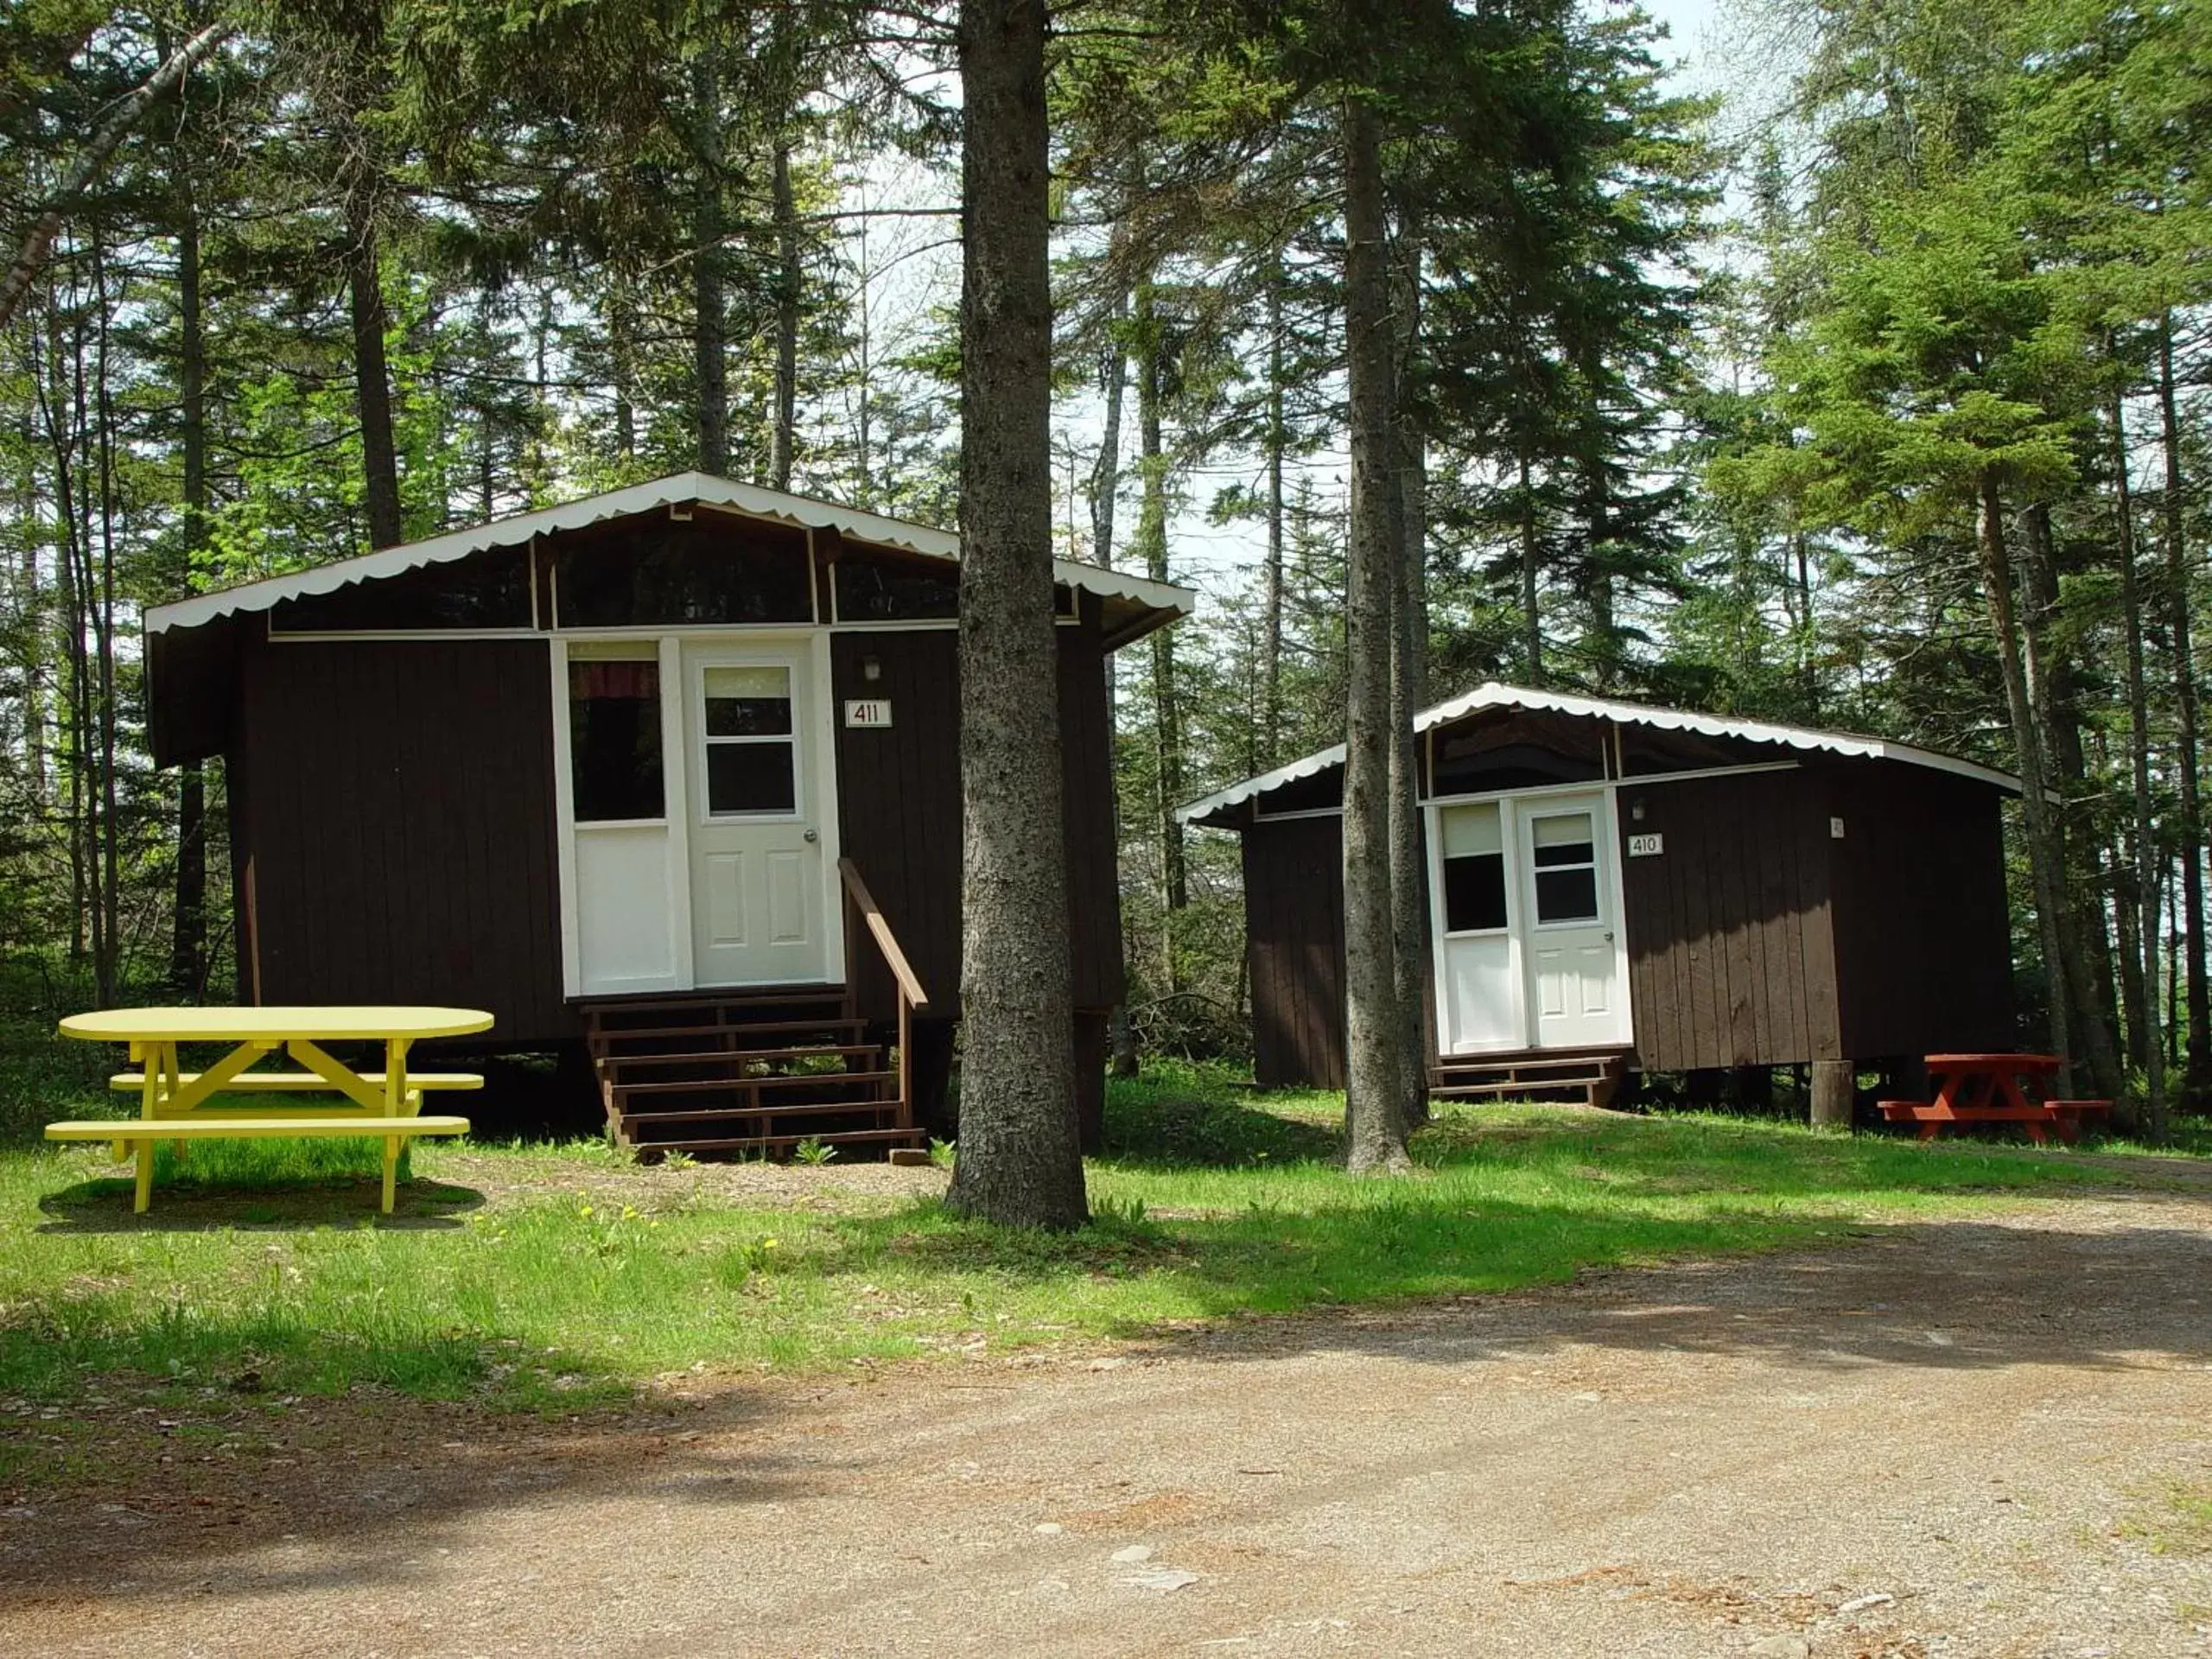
{"points": [[1982, 1436]]}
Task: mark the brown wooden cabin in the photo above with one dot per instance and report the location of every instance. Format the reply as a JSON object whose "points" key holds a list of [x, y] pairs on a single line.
{"points": [[672, 770], [1613, 886]]}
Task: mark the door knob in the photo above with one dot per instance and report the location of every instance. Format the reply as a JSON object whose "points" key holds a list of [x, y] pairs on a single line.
{"points": [[812, 836]]}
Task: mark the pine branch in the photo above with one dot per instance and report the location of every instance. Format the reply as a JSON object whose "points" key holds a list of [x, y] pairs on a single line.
{"points": [[32, 256]]}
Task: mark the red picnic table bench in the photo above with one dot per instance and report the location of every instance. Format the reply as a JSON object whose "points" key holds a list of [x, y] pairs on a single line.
{"points": [[1993, 1088]]}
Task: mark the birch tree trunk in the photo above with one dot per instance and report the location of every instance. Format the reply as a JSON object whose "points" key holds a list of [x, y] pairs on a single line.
{"points": [[1166, 713], [1374, 1112], [2043, 864], [2087, 955], [2148, 1040], [782, 435], [1105, 490], [2197, 1076], [709, 324], [188, 937], [1408, 691], [1277, 440], [1018, 1161]]}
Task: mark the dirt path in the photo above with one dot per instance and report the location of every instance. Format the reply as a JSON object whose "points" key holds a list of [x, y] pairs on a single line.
{"points": [[1965, 1439]]}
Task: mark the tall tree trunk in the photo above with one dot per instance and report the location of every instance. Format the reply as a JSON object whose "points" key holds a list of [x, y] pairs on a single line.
{"points": [[2052, 690], [1018, 1161], [710, 322], [1166, 713], [2197, 1076], [782, 435], [188, 937], [372, 378], [1374, 1113], [2043, 862], [1277, 441], [1105, 490], [1409, 687], [2148, 1040]]}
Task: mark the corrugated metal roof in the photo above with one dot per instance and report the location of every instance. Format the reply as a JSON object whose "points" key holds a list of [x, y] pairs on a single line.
{"points": [[677, 489], [1498, 695]]}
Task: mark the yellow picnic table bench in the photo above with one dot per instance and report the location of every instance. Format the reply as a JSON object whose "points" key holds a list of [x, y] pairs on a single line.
{"points": [[173, 1103]]}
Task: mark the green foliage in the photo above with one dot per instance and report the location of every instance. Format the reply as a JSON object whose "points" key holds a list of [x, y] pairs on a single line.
{"points": [[547, 1279]]}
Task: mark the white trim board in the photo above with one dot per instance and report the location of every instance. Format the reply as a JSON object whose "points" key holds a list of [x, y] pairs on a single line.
{"points": [[679, 489]]}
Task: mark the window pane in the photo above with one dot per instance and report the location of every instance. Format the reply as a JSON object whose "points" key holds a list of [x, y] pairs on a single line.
{"points": [[1564, 839], [1474, 891], [748, 702], [713, 571], [750, 777], [1470, 829], [484, 590], [880, 591], [614, 741], [1566, 895]]}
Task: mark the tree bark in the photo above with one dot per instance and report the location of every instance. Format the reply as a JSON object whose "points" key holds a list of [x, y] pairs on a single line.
{"points": [[1167, 714], [2196, 1074], [1835, 1086], [2051, 690], [188, 937], [1532, 624], [2043, 862], [2146, 1038], [373, 379], [1408, 691], [1276, 440], [1374, 1113], [1019, 1162], [38, 242], [1105, 489], [710, 323], [782, 435]]}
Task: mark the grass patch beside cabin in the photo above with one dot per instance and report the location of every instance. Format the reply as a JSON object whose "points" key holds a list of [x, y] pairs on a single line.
{"points": [[536, 1277]]}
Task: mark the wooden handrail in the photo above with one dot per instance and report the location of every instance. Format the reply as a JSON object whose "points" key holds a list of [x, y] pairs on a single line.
{"points": [[893, 958], [911, 996]]}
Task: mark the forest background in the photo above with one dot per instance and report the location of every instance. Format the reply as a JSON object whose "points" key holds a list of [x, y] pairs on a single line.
{"points": [[1867, 392]]}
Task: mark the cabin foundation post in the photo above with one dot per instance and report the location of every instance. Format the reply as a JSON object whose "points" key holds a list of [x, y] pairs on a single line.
{"points": [[1835, 1086]]}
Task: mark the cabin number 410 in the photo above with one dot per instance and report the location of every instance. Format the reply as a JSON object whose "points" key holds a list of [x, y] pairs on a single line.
{"points": [[1646, 846]]}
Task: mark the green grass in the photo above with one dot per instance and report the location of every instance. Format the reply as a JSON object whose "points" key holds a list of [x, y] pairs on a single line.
{"points": [[536, 1277]]}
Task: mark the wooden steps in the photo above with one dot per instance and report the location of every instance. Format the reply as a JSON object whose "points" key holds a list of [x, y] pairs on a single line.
{"points": [[1592, 1075], [751, 1072]]}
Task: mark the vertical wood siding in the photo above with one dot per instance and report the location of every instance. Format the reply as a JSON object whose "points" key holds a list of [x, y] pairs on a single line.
{"points": [[399, 820], [898, 809], [1923, 931], [1732, 957], [1295, 941]]}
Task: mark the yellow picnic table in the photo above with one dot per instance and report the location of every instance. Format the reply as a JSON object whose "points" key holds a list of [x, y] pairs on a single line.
{"points": [[386, 1103]]}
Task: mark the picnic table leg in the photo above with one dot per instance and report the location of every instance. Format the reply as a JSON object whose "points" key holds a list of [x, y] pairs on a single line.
{"points": [[392, 1145], [144, 1194], [395, 1078]]}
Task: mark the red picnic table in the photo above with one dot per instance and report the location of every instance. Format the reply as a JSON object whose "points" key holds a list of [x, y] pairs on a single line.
{"points": [[1993, 1088]]}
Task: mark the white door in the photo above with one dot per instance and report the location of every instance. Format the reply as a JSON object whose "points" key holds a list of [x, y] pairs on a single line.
{"points": [[757, 864], [1577, 996], [1479, 992]]}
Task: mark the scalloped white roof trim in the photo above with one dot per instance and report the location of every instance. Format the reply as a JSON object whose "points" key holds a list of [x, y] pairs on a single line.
{"points": [[677, 489], [1498, 695]]}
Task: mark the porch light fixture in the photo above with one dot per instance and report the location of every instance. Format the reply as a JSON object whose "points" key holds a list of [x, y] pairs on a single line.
{"points": [[1636, 809], [871, 668]]}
